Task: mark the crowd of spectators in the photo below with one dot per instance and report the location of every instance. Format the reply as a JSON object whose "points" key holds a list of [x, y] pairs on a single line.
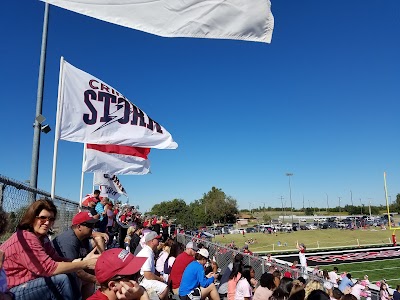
{"points": [[112, 252]]}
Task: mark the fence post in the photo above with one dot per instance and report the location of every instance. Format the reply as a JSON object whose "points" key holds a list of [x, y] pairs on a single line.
{"points": [[2, 187], [358, 243]]}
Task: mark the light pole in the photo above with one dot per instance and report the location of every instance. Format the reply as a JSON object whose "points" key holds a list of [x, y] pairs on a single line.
{"points": [[361, 206], [339, 203], [283, 210], [327, 203], [290, 194]]}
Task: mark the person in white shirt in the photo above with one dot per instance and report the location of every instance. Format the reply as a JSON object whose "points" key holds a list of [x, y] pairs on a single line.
{"points": [[244, 290], [334, 277], [152, 282]]}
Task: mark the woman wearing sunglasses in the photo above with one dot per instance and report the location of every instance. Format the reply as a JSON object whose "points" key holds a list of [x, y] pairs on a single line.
{"points": [[34, 269]]}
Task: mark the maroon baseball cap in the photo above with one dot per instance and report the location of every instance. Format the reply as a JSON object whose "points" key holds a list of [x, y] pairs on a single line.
{"points": [[117, 261], [83, 217]]}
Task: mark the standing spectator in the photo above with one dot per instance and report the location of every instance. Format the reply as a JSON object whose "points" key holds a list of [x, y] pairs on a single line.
{"points": [[117, 271], [100, 209], [303, 259], [74, 243], [127, 241], [165, 228], [156, 224], [181, 262], [246, 250], [34, 269], [194, 284], [110, 217], [151, 281]]}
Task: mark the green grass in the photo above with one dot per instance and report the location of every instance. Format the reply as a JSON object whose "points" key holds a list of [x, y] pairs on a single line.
{"points": [[376, 270], [313, 239]]}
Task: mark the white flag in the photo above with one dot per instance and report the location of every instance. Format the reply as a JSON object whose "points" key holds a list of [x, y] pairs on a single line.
{"points": [[249, 20], [109, 192], [108, 180], [114, 159], [96, 113]]}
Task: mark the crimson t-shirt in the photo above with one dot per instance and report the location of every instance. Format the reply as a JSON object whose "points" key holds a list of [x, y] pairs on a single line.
{"points": [[98, 296]]}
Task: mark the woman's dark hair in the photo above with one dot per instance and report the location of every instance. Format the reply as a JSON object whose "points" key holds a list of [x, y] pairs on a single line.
{"points": [[246, 273], [175, 250], [336, 293], [325, 274], [283, 290], [321, 295], [236, 269], [267, 280], [3, 221], [345, 297], [33, 211]]}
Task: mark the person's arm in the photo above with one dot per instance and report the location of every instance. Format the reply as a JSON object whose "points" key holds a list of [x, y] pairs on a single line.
{"points": [[88, 262], [203, 280], [151, 276], [85, 276]]}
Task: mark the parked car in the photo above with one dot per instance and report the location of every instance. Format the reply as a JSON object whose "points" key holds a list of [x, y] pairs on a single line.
{"points": [[312, 227], [251, 230], [341, 225]]}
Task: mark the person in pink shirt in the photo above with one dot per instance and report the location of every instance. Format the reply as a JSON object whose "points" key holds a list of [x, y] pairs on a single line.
{"points": [[235, 276], [34, 269]]}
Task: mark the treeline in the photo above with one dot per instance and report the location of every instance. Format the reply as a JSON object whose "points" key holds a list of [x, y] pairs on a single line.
{"points": [[214, 207]]}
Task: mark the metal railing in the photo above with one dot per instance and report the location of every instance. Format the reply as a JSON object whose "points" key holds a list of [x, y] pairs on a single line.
{"points": [[16, 196]]}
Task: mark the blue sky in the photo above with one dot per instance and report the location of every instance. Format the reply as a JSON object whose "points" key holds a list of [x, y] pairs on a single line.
{"points": [[321, 101]]}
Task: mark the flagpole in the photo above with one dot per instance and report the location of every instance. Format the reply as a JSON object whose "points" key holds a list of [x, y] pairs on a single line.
{"points": [[57, 130], [39, 101], [82, 175]]}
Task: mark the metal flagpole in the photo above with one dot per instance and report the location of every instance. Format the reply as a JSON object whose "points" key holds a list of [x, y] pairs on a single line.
{"points": [[39, 102], [57, 129], [82, 175]]}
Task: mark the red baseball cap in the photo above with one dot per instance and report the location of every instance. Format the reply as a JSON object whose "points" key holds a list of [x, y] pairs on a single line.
{"points": [[83, 217], [117, 261]]}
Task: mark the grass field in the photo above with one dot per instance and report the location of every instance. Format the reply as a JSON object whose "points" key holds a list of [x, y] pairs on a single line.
{"points": [[313, 239], [376, 270]]}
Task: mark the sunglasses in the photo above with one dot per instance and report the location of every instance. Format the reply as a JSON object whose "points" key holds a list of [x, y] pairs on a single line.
{"points": [[88, 225], [44, 219], [133, 277]]}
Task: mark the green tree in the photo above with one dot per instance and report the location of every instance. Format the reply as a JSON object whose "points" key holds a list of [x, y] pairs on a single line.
{"points": [[267, 218]]}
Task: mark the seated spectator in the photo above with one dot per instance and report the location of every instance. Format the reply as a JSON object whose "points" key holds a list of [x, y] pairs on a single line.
{"points": [[244, 289], [266, 288], [334, 277], [235, 276], [4, 292], [223, 281], [181, 262], [117, 272], [345, 282], [318, 295], [336, 294], [312, 286], [383, 292], [34, 269], [127, 241], [297, 292], [74, 243], [194, 284], [283, 290], [396, 293], [327, 284], [152, 281]]}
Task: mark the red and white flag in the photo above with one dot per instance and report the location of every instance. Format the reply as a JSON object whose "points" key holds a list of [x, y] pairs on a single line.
{"points": [[114, 159], [248, 20], [91, 111]]}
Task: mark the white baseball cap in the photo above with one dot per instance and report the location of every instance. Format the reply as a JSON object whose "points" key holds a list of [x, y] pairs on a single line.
{"points": [[203, 252]]}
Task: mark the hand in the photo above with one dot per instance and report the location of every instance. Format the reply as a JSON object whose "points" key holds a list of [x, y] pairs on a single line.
{"points": [[128, 290], [91, 259]]}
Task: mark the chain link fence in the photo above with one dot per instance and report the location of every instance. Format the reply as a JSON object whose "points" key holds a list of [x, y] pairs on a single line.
{"points": [[15, 197], [224, 256]]}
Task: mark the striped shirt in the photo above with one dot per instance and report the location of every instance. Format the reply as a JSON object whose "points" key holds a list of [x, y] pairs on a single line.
{"points": [[27, 257]]}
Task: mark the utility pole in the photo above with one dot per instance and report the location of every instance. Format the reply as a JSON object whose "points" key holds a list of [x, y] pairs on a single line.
{"points": [[290, 194], [351, 198], [339, 202], [283, 210], [303, 202], [327, 203]]}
